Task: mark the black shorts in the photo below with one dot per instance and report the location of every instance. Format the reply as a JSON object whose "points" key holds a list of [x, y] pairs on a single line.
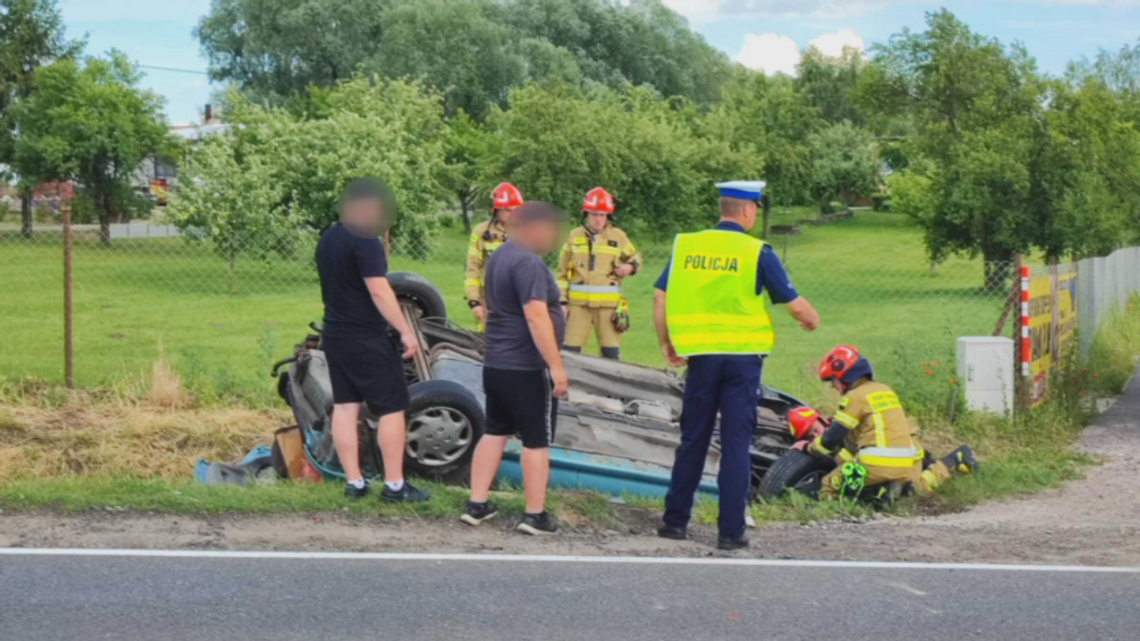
{"points": [[520, 402], [367, 370]]}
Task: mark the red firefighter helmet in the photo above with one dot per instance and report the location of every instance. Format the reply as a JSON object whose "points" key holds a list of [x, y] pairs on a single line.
{"points": [[506, 196], [800, 421], [838, 362], [598, 200]]}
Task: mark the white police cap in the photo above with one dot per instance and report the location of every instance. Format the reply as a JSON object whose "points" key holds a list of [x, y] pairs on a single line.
{"points": [[742, 189]]}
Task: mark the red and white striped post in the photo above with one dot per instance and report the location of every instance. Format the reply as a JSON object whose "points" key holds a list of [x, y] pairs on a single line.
{"points": [[1026, 344]]}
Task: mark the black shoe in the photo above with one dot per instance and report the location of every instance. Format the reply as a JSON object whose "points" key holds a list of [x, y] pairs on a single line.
{"points": [[730, 543], [670, 532], [353, 492], [537, 524], [407, 494], [476, 513], [962, 461]]}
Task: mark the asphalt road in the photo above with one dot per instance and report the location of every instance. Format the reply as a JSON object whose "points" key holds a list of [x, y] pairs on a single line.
{"points": [[65, 596]]}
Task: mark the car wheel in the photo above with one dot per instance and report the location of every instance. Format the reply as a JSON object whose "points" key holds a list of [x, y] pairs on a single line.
{"points": [[445, 421], [283, 386], [420, 293], [797, 471]]}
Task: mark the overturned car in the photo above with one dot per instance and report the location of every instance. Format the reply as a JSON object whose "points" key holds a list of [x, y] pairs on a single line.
{"points": [[617, 429]]}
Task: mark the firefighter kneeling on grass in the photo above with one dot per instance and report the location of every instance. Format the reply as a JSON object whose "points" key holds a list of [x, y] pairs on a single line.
{"points": [[878, 454], [596, 259]]}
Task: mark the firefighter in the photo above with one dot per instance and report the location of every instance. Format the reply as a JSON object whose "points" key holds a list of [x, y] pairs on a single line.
{"points": [[486, 237], [595, 260], [876, 448], [710, 314]]}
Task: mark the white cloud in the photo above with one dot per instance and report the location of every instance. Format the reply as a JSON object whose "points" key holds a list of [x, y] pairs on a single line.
{"points": [[773, 53], [770, 53], [832, 44]]}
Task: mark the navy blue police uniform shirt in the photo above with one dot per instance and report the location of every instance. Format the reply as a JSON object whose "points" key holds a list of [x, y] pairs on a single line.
{"points": [[344, 260], [770, 272]]}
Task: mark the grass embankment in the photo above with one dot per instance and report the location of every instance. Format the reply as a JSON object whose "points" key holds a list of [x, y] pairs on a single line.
{"points": [[131, 438], [133, 447]]}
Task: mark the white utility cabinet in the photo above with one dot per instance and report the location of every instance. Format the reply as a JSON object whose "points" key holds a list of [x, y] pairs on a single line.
{"points": [[985, 372]]}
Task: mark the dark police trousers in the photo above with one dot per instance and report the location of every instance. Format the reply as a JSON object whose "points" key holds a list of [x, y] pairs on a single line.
{"points": [[730, 384]]}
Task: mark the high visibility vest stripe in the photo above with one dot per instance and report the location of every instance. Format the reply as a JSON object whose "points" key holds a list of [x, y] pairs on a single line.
{"points": [[712, 306]]}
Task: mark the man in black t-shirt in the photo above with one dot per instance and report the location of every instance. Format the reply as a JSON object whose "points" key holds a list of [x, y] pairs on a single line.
{"points": [[365, 363]]}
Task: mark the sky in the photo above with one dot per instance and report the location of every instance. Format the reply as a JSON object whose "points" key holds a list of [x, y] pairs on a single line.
{"points": [[763, 34]]}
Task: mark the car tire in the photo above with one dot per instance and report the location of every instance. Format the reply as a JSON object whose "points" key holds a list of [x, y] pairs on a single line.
{"points": [[283, 386], [445, 422], [419, 292], [795, 470]]}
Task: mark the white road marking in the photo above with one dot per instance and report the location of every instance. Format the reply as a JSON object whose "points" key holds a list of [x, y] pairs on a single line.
{"points": [[542, 558]]}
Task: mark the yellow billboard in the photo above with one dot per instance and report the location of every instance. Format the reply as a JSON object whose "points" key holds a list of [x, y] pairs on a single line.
{"points": [[1052, 325]]}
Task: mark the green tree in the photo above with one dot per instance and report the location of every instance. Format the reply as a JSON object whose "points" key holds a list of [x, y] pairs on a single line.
{"points": [[556, 143], [90, 124], [467, 150], [471, 50], [974, 108], [845, 164], [392, 130], [279, 48], [31, 36], [456, 47], [236, 202], [1086, 174], [765, 116], [829, 84]]}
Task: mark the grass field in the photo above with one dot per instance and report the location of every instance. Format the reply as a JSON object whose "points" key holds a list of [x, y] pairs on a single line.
{"points": [[868, 276]]}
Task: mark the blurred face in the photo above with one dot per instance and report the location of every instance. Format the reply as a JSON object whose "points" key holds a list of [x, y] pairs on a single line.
{"points": [[837, 386], [365, 213], [597, 221], [815, 431], [537, 237]]}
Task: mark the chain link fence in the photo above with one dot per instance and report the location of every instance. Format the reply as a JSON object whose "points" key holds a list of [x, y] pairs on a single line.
{"points": [[222, 316]]}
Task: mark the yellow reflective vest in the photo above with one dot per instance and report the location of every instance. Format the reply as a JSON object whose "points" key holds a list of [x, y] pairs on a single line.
{"points": [[586, 269], [712, 306], [486, 237]]}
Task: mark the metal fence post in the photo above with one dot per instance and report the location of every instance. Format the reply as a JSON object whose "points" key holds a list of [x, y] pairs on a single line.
{"points": [[68, 319]]}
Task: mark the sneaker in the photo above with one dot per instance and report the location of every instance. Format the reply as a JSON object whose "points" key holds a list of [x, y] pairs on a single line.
{"points": [[670, 532], [730, 543], [407, 494], [354, 493], [538, 524], [476, 513]]}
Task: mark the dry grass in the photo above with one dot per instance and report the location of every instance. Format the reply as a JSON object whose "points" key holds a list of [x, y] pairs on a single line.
{"points": [[147, 428]]}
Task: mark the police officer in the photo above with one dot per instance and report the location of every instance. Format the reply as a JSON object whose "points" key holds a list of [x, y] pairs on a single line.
{"points": [[596, 259], [709, 313], [488, 236]]}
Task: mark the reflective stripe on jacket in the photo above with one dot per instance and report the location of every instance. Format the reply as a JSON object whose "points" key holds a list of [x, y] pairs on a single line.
{"points": [[486, 237], [880, 434], [712, 306], [586, 269]]}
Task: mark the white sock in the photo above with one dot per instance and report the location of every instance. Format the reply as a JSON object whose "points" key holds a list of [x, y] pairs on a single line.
{"points": [[395, 486], [358, 484]]}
